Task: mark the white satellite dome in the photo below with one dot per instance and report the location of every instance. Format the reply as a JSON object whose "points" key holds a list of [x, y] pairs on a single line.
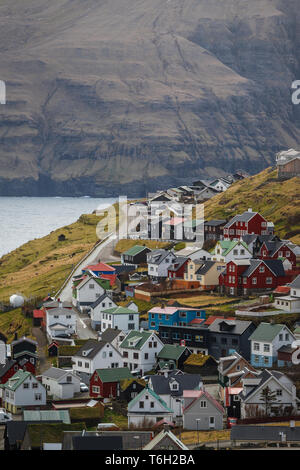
{"points": [[16, 301]]}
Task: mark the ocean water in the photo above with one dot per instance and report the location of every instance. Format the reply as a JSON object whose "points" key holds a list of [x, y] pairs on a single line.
{"points": [[26, 218]]}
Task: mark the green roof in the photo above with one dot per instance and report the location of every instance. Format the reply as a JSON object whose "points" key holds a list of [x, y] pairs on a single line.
{"points": [[228, 245], [114, 375], [134, 250], [171, 351], [154, 395], [119, 311], [266, 332], [16, 380], [138, 337], [50, 432]]}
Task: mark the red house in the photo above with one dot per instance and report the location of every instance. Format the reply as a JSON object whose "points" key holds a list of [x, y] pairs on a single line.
{"points": [[177, 269], [245, 276], [11, 366], [275, 250], [248, 223], [103, 383]]}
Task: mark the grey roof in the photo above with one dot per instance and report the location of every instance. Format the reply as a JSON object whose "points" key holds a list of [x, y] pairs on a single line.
{"points": [[264, 433], [161, 384], [275, 265], [132, 440], [296, 283], [97, 443], [180, 260], [245, 217], [157, 256], [56, 303], [206, 266], [5, 367], [110, 334], [100, 299], [237, 327], [263, 377], [60, 311], [215, 223], [54, 373], [93, 346], [15, 431]]}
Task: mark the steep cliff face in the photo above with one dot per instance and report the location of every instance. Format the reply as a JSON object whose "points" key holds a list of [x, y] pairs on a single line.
{"points": [[110, 96]]}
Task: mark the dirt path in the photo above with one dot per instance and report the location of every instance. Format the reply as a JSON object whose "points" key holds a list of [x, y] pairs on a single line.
{"points": [[44, 360]]}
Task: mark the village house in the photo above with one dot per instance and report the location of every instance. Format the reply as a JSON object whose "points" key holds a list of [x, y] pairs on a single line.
{"points": [[24, 351], [247, 223], [290, 303], [205, 273], [60, 322], [229, 250], [113, 337], [22, 390], [177, 269], [102, 303], [86, 291], [139, 350], [213, 229], [195, 337], [202, 364], [227, 336], [165, 440], [95, 355], [253, 402], [201, 412], [146, 409], [60, 383], [173, 353], [170, 387], [104, 382], [127, 389], [159, 262], [135, 255], [266, 341], [173, 316], [121, 318], [193, 252], [288, 164], [244, 277], [278, 250]]}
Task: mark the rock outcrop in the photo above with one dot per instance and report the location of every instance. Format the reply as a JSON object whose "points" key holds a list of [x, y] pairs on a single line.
{"points": [[122, 96]]}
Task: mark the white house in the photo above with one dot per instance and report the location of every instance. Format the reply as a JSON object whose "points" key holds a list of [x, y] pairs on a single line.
{"points": [[60, 322], [113, 337], [220, 184], [230, 250], [253, 403], [266, 340], [146, 409], [290, 303], [158, 263], [121, 318], [60, 383], [22, 390], [96, 355], [171, 386], [193, 253], [103, 302], [140, 349], [87, 290]]}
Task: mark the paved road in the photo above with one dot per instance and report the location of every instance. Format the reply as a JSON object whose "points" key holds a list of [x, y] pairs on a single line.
{"points": [[44, 361], [84, 330]]}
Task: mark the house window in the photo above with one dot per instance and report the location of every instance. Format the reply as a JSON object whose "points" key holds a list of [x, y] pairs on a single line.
{"points": [[203, 404], [25, 385], [279, 393], [280, 337], [86, 365], [269, 280], [261, 269], [141, 404], [256, 346], [146, 355], [35, 385], [38, 396], [254, 280], [152, 404], [266, 348], [135, 356], [95, 389], [91, 286], [79, 364], [130, 317]]}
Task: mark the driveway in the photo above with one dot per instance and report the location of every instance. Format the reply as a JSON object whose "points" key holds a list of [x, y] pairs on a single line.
{"points": [[44, 360], [84, 330]]}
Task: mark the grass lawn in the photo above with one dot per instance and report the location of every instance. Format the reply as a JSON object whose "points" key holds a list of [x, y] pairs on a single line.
{"points": [[191, 437], [15, 322], [203, 299], [111, 417]]}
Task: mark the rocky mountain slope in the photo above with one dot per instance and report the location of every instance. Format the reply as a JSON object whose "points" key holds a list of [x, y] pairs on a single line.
{"points": [[110, 96]]}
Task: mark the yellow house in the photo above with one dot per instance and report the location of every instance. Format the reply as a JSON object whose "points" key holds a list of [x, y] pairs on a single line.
{"points": [[205, 272]]}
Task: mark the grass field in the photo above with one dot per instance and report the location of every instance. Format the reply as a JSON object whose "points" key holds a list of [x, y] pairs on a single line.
{"points": [[191, 437], [202, 299], [15, 322]]}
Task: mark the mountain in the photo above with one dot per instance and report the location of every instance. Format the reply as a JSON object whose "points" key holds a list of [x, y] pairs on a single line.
{"points": [[278, 201], [110, 96]]}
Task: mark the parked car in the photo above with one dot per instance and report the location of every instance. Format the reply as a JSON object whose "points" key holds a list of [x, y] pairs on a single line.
{"points": [[83, 387], [4, 416]]}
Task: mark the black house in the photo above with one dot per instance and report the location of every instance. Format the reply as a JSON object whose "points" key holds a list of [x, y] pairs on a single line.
{"points": [[135, 255], [128, 389], [213, 229], [24, 348], [227, 336], [196, 339]]}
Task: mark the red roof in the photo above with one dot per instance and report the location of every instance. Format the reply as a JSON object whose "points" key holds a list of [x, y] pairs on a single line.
{"points": [[99, 267], [282, 290], [212, 318], [39, 313], [199, 394], [109, 277], [196, 321]]}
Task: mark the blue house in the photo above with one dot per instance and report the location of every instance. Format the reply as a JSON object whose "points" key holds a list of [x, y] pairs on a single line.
{"points": [[266, 341], [174, 316]]}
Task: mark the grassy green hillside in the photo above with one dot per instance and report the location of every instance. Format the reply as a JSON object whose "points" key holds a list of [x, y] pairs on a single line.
{"points": [[278, 201]]}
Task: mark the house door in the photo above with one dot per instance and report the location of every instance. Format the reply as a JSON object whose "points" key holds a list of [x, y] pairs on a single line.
{"points": [[211, 422]]}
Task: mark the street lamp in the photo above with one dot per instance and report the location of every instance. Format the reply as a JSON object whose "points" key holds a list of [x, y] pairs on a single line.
{"points": [[197, 421]]}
